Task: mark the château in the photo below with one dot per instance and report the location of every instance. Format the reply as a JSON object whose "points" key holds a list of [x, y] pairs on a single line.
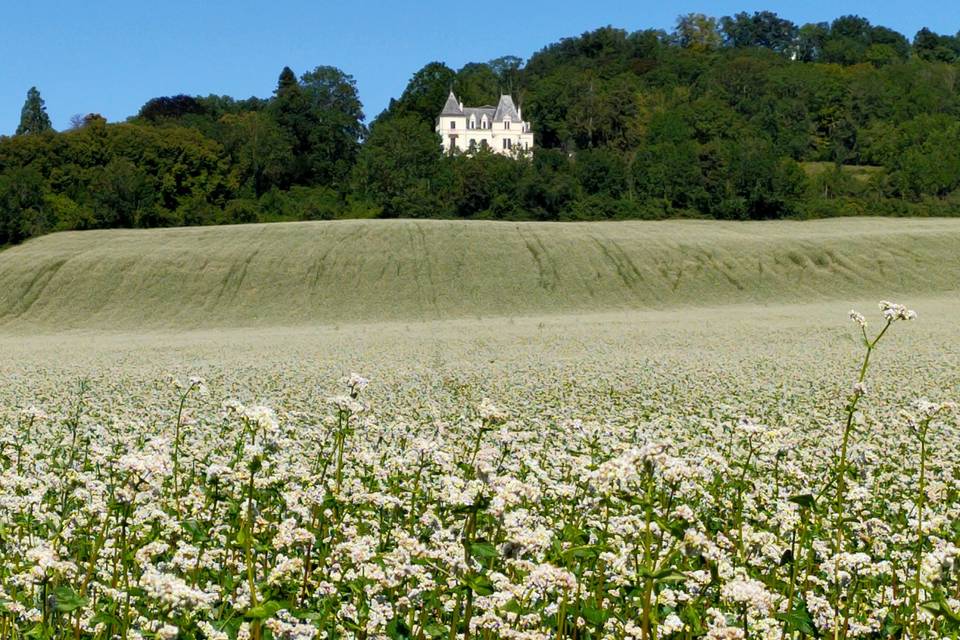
{"points": [[502, 128]]}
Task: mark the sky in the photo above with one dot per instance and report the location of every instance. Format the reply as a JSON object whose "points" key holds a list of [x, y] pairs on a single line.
{"points": [[111, 56]]}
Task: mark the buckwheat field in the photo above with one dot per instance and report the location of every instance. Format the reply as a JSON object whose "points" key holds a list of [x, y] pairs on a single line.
{"points": [[777, 472]]}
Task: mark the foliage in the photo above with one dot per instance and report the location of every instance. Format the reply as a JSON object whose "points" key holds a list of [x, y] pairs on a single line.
{"points": [[713, 119], [33, 116]]}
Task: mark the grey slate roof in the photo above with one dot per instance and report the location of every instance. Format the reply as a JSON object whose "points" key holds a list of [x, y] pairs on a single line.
{"points": [[479, 112], [452, 107], [505, 109]]}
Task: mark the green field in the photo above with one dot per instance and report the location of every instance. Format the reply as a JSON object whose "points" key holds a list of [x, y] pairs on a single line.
{"points": [[618, 431], [373, 271]]}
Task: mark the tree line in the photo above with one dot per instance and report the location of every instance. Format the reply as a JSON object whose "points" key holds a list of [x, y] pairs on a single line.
{"points": [[743, 117]]}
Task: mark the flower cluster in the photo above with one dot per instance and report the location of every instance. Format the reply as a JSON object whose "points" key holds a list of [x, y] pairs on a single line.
{"points": [[668, 492]]}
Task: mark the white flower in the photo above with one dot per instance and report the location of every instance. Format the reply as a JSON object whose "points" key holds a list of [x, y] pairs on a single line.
{"points": [[893, 311], [32, 413], [490, 413], [167, 632], [357, 383], [173, 591], [285, 627], [672, 624], [749, 592], [198, 383]]}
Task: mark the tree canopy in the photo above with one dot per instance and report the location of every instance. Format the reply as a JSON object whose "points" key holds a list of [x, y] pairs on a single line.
{"points": [[745, 116], [33, 116]]}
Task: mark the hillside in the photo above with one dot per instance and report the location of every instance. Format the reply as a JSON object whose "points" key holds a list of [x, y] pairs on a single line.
{"points": [[369, 271]]}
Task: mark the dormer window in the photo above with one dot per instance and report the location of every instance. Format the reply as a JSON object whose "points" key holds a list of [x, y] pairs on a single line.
{"points": [[473, 123], [506, 124]]}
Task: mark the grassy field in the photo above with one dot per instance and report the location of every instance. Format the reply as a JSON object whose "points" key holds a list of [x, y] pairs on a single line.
{"points": [[372, 271], [709, 456]]}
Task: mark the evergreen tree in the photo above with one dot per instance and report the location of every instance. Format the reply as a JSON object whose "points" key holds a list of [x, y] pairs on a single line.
{"points": [[287, 80], [33, 117]]}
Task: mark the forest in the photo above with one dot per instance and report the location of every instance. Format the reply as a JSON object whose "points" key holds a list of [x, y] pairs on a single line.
{"points": [[741, 117]]}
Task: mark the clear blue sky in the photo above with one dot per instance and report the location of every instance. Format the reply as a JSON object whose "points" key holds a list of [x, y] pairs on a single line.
{"points": [[110, 56]]}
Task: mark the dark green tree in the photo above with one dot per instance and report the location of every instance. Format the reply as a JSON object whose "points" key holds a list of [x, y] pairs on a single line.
{"points": [[508, 71], [22, 210], [401, 170], [33, 116], [170, 107], [260, 151], [602, 171], [811, 40], [286, 81], [477, 84], [425, 93], [933, 47], [763, 29], [124, 196], [322, 116]]}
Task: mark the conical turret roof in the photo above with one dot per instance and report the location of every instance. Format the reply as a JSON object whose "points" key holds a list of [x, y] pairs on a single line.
{"points": [[506, 109], [452, 106]]}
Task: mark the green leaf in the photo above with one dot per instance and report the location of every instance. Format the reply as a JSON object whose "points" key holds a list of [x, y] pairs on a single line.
{"points": [[670, 575], [105, 617], [435, 630], [483, 550], [513, 607], [596, 617], [664, 575], [584, 551], [195, 529], [39, 632], [263, 611], [67, 600], [798, 620], [397, 629], [940, 607], [805, 500], [572, 533], [480, 584]]}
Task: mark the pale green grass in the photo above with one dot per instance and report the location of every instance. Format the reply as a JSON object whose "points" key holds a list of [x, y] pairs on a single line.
{"points": [[407, 270], [860, 172]]}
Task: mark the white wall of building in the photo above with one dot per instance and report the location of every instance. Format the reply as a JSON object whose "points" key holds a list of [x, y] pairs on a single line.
{"points": [[454, 132]]}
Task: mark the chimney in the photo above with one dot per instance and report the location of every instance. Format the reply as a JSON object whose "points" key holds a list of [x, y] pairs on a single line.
{"points": [[461, 106]]}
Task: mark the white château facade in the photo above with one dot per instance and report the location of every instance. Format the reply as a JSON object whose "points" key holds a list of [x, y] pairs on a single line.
{"points": [[500, 128]]}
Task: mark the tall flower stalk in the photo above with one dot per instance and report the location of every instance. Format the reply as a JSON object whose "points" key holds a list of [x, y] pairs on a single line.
{"points": [[892, 312], [195, 384], [920, 425]]}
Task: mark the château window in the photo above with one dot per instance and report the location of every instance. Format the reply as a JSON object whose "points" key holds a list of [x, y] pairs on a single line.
{"points": [[506, 125], [453, 124]]}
